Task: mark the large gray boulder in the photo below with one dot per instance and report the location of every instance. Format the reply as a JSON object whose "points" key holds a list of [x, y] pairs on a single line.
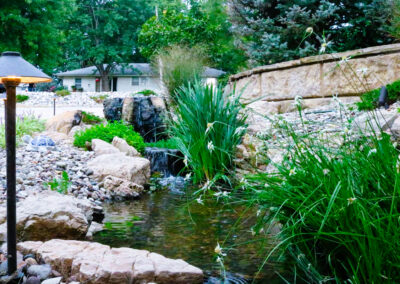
{"points": [[48, 215], [89, 262]]}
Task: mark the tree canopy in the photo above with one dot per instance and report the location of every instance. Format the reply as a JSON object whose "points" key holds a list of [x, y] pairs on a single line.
{"points": [[271, 31], [202, 24], [35, 29], [104, 33]]}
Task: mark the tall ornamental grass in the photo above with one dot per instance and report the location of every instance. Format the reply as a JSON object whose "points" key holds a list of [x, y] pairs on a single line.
{"points": [[337, 205], [208, 127], [25, 125], [179, 66]]}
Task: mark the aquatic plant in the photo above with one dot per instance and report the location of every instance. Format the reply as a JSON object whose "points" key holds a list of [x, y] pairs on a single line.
{"points": [[337, 204], [208, 127], [108, 132]]}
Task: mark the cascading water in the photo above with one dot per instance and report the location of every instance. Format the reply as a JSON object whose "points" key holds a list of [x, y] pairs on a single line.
{"points": [[165, 161]]}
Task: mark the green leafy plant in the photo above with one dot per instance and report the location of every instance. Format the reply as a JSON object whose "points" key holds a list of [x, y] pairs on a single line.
{"points": [[209, 125], [337, 205], [147, 93], [22, 98], [99, 99], [180, 66], [369, 100], [24, 126], [90, 118], [108, 132], [63, 93], [169, 144], [60, 185]]}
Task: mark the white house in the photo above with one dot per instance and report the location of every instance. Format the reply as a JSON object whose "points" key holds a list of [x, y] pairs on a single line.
{"points": [[132, 77]]}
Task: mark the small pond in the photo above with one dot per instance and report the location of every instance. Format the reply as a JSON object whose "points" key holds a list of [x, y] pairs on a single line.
{"points": [[172, 224]]}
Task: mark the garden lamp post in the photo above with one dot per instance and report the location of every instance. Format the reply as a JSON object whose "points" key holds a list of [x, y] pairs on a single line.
{"points": [[13, 71]]}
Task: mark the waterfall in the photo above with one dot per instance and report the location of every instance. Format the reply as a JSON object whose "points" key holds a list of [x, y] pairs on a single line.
{"points": [[165, 161]]}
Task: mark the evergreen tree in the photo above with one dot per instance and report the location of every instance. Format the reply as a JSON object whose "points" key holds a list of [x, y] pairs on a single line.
{"points": [[273, 30]]}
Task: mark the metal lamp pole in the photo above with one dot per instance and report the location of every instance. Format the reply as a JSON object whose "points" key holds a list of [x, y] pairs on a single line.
{"points": [[13, 71], [11, 84]]}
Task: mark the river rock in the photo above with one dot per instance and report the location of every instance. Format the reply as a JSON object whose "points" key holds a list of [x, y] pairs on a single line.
{"points": [[124, 147], [48, 215], [56, 280], [118, 187], [90, 262], [101, 147], [63, 122], [40, 271], [134, 169]]}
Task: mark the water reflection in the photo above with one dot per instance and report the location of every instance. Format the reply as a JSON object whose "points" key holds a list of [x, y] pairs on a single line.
{"points": [[175, 226]]}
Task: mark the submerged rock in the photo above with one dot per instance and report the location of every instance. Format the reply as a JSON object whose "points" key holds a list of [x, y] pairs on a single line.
{"points": [[89, 262]]}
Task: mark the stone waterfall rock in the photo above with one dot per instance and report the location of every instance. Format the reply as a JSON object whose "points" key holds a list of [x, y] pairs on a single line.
{"points": [[113, 109], [64, 122], [133, 169], [145, 113], [49, 214], [89, 262], [166, 161]]}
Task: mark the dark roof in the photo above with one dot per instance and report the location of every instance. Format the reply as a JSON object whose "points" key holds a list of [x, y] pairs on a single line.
{"points": [[131, 69]]}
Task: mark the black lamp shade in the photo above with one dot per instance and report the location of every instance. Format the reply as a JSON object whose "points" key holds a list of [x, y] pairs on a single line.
{"points": [[12, 65]]}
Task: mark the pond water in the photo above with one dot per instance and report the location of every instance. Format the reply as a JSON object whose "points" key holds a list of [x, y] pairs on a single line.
{"points": [[172, 224]]}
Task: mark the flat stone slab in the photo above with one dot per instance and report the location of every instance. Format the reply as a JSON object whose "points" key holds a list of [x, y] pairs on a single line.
{"points": [[89, 262]]}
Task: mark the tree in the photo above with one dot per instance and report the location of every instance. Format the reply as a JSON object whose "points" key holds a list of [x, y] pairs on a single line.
{"points": [[204, 24], [272, 31], [104, 33], [35, 29]]}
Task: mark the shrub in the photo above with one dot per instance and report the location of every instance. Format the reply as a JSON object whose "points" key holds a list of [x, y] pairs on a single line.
{"points": [[22, 98], [338, 207], [63, 93], [147, 93], [99, 99], [180, 66], [108, 132], [209, 125], [369, 100], [90, 118], [169, 144], [24, 126]]}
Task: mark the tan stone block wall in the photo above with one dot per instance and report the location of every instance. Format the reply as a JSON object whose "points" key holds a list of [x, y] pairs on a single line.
{"points": [[322, 76]]}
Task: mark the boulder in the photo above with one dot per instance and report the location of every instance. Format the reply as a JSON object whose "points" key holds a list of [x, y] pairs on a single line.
{"points": [[121, 188], [124, 147], [63, 122], [77, 128], [48, 215], [375, 121], [101, 147], [134, 169], [89, 262], [56, 136]]}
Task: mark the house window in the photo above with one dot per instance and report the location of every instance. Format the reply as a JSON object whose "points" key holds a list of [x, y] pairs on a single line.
{"points": [[78, 83], [135, 81], [143, 81]]}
